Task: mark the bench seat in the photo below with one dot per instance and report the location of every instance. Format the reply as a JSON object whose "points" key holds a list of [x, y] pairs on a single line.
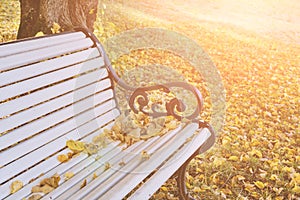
{"points": [[58, 88]]}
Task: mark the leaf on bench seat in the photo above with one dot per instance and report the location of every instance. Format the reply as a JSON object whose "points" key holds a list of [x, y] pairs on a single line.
{"points": [[83, 184], [90, 148], [75, 146], [131, 127], [68, 175], [15, 186], [63, 158], [145, 155], [43, 189], [45, 186], [35, 197]]}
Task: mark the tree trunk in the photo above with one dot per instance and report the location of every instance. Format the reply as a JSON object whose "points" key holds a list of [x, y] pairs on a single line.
{"points": [[40, 15]]}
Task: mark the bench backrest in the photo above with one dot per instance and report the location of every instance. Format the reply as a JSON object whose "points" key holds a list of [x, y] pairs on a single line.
{"points": [[52, 89]]}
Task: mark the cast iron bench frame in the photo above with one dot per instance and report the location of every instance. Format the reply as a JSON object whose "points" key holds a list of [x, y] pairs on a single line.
{"points": [[54, 71]]}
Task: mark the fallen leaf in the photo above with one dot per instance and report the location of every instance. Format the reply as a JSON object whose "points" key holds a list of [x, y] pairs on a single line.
{"points": [[15, 186], [259, 184]]}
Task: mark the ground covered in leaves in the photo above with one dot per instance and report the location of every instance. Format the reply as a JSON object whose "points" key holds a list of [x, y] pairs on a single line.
{"points": [[257, 155]]}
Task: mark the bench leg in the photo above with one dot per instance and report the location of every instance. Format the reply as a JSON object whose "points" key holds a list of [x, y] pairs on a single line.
{"points": [[181, 178]]}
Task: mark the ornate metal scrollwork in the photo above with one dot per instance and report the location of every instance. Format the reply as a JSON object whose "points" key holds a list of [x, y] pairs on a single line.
{"points": [[139, 100]]}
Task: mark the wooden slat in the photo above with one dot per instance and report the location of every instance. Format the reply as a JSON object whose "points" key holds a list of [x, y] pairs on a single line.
{"points": [[8, 171], [26, 72], [45, 53], [37, 97], [170, 167], [37, 43], [50, 106], [121, 183], [49, 78], [124, 156]]}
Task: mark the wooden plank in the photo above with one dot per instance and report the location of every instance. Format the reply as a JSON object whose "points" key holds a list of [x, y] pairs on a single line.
{"points": [[38, 42], [26, 72], [26, 58], [126, 158], [170, 167], [24, 147], [39, 96], [118, 185], [47, 79], [50, 106], [29, 160]]}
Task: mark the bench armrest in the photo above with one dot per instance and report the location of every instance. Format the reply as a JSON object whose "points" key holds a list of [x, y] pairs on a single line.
{"points": [[175, 107], [141, 95]]}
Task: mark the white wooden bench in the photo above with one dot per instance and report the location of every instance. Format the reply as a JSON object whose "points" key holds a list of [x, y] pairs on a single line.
{"points": [[60, 87]]}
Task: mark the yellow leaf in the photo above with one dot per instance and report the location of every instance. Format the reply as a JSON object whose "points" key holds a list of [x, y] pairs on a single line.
{"points": [[215, 178], [55, 28], [249, 187], [240, 178], [256, 153], [296, 189], [68, 175], [188, 185], [198, 189], [255, 195], [287, 169], [171, 125], [245, 158], [219, 161], [92, 11], [255, 142], [145, 155], [226, 191], [62, 158], [263, 175], [233, 158], [296, 178], [107, 166], [34, 197], [259, 184], [277, 190], [75, 146], [163, 188], [95, 175], [274, 177], [38, 34], [279, 198], [83, 184], [15, 186], [226, 140], [251, 170]]}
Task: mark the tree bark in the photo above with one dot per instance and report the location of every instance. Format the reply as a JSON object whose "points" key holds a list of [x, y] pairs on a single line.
{"points": [[40, 15]]}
